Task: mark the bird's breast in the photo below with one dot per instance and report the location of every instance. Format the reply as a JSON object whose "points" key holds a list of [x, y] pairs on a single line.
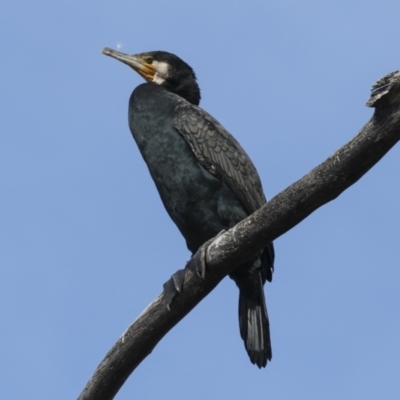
{"points": [[199, 203]]}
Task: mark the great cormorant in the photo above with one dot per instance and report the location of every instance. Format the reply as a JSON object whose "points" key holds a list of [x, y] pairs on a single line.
{"points": [[205, 179]]}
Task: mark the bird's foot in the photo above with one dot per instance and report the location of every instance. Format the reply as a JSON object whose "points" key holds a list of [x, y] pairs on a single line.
{"points": [[197, 265], [173, 286]]}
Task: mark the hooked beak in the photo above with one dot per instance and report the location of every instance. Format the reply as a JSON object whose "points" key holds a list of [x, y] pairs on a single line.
{"points": [[147, 71]]}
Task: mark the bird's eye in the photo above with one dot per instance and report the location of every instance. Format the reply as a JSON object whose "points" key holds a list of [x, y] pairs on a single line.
{"points": [[149, 60]]}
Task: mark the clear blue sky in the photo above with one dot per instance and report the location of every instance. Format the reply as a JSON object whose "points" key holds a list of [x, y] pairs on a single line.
{"points": [[86, 244]]}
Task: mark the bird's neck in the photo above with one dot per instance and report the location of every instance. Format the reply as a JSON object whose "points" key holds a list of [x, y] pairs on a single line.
{"points": [[188, 89]]}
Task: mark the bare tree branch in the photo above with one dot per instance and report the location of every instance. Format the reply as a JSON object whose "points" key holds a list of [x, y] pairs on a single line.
{"points": [[323, 184]]}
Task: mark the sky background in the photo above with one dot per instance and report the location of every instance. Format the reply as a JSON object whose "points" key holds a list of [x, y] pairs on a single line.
{"points": [[86, 245]]}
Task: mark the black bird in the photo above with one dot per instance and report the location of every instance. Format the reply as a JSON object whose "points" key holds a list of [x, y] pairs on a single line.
{"points": [[205, 179]]}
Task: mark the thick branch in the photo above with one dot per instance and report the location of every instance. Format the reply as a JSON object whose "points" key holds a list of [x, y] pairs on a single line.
{"points": [[283, 212]]}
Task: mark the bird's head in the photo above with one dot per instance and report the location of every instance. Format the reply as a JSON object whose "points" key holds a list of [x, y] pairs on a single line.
{"points": [[164, 69]]}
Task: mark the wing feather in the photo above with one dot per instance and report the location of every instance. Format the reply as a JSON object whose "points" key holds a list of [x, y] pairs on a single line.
{"points": [[220, 154]]}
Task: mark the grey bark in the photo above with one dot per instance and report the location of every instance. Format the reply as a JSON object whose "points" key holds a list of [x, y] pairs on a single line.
{"points": [[321, 185]]}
